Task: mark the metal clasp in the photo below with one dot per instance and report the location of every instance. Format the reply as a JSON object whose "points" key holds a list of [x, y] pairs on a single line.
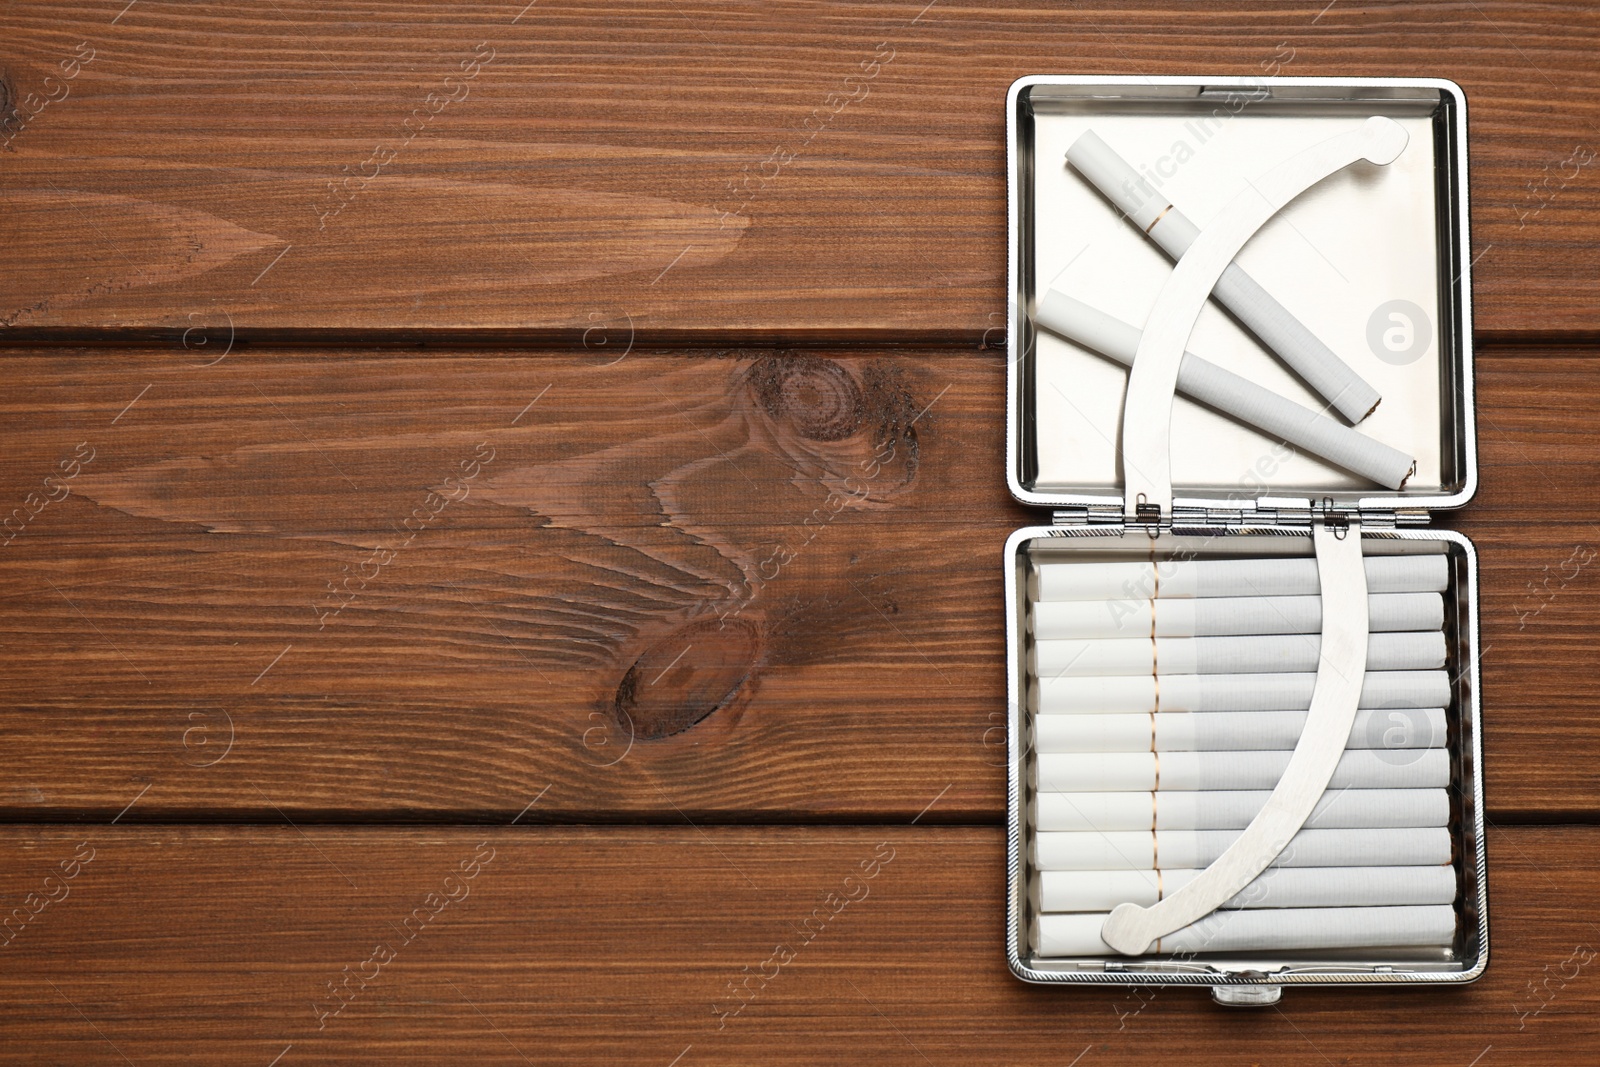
{"points": [[1247, 996]]}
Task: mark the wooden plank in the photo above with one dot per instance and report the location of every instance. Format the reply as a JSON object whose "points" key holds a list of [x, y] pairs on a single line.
{"points": [[815, 169], [1533, 521], [622, 945], [652, 542], [667, 551]]}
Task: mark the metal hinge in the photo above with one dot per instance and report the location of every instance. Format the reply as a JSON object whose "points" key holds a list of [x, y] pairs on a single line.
{"points": [[1373, 518], [1081, 515], [1206, 518], [1191, 518], [1335, 514]]}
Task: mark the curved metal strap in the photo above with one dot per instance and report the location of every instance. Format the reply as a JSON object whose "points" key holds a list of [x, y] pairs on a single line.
{"points": [[1340, 671], [1147, 408]]}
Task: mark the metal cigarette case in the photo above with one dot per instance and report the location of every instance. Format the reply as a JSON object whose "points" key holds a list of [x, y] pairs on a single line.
{"points": [[1378, 267]]}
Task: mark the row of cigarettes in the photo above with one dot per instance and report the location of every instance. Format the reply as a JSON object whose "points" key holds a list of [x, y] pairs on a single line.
{"points": [[1280, 332], [1152, 753]]}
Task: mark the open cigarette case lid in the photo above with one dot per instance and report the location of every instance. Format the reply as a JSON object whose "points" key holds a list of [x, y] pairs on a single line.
{"points": [[1374, 260]]}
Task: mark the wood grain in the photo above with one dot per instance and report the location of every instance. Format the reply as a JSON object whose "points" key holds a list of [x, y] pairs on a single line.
{"points": [[481, 549], [674, 168], [602, 946], [703, 586]]}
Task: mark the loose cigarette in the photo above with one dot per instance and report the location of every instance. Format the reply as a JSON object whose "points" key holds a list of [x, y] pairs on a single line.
{"points": [[1094, 772], [1230, 692], [1224, 731], [1143, 850], [1223, 616], [1229, 394], [1328, 375], [1277, 887], [1269, 654], [1263, 929], [1294, 576], [1220, 809]]}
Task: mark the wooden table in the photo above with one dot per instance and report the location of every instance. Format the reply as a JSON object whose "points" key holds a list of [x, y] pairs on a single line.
{"points": [[424, 634]]}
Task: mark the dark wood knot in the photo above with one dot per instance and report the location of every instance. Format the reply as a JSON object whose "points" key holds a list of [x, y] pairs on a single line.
{"points": [[686, 676], [818, 397], [867, 403]]}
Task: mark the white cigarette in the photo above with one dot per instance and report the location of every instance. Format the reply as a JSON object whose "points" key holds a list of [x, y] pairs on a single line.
{"points": [[1224, 731], [1328, 375], [1144, 850], [1094, 772], [1293, 576], [1221, 809], [1229, 692], [1263, 929], [1264, 654], [1277, 887], [1229, 394], [1223, 616]]}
